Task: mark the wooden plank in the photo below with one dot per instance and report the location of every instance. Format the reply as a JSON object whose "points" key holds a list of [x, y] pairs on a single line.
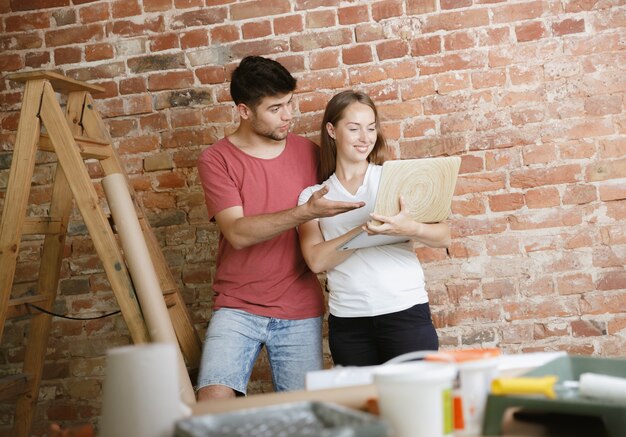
{"points": [[13, 385], [18, 189], [58, 81], [88, 148], [41, 226], [19, 307], [188, 338]]}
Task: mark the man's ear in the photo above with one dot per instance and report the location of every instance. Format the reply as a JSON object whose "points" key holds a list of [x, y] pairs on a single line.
{"points": [[244, 111], [330, 129]]}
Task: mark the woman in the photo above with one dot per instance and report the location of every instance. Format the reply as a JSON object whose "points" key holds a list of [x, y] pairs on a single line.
{"points": [[378, 303]]}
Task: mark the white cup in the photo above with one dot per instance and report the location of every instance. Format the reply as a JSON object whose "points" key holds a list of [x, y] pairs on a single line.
{"points": [[141, 392], [415, 398], [475, 382]]}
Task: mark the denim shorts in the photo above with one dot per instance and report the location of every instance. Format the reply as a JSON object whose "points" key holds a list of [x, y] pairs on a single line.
{"points": [[235, 338]]}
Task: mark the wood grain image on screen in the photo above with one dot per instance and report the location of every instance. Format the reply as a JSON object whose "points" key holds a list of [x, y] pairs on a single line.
{"points": [[427, 185]]}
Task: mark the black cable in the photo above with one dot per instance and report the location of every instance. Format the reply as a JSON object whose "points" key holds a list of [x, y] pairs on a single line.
{"points": [[70, 317]]}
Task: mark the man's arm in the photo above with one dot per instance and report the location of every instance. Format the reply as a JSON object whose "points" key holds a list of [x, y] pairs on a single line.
{"points": [[243, 231]]}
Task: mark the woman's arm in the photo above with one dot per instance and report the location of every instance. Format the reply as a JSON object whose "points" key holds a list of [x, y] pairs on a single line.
{"points": [[322, 255], [430, 234]]}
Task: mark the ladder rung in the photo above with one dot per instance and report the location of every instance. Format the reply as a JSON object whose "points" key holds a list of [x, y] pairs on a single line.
{"points": [[18, 307], [42, 225], [58, 81], [14, 385], [89, 148]]}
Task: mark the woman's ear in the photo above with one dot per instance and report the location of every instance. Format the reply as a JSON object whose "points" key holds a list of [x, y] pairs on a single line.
{"points": [[330, 129]]}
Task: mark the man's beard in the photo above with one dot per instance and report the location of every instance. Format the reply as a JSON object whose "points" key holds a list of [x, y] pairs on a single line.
{"points": [[276, 134]]}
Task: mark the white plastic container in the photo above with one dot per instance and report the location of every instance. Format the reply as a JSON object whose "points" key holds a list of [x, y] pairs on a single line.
{"points": [[477, 368], [416, 398]]}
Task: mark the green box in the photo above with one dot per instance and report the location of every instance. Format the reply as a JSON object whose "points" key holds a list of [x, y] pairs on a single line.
{"points": [[567, 368]]}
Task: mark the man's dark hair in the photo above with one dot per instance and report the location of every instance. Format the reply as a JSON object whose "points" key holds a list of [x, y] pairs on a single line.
{"points": [[257, 77]]}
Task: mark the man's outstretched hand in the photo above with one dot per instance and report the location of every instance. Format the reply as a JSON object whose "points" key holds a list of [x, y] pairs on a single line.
{"points": [[319, 206]]}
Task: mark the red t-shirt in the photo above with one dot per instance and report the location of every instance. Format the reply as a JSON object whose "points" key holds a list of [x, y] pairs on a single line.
{"points": [[269, 278]]}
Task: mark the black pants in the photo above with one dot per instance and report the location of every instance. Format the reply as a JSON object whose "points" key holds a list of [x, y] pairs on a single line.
{"points": [[368, 341]]}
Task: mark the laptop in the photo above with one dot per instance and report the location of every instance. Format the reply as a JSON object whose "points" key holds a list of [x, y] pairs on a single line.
{"points": [[427, 185]]}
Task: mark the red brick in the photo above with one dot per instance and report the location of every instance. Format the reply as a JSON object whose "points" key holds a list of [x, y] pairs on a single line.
{"points": [[539, 219], [593, 44], [532, 178], [539, 154], [311, 102], [604, 170], [575, 283], [392, 49], [447, 104], [98, 52], [539, 307], [518, 11], [27, 5], [520, 117], [186, 4], [157, 5], [256, 29], [542, 198], [424, 46], [473, 205], [211, 75], [320, 19], [457, 20], [404, 69], [186, 118], [11, 62], [488, 79], [33, 21], [530, 31], [579, 194], [194, 38], [322, 59], [440, 145], [506, 202], [454, 4], [416, 7], [133, 85], [502, 245], [288, 24], [452, 62], [605, 257], [459, 40], [542, 331], [568, 26], [612, 191], [588, 328], [130, 28], [418, 128], [164, 42], [386, 9], [121, 127], [353, 14], [225, 33], [259, 47], [603, 105], [258, 8], [170, 180], [369, 32], [170, 81], [154, 122], [94, 13], [293, 63], [359, 54], [218, 114], [125, 8], [146, 143], [603, 303], [318, 40], [74, 35], [67, 55], [612, 280]]}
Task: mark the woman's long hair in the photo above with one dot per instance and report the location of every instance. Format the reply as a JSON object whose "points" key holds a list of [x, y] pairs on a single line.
{"points": [[333, 113]]}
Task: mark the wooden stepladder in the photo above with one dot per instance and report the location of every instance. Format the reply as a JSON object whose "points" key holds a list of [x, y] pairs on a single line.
{"points": [[77, 135]]}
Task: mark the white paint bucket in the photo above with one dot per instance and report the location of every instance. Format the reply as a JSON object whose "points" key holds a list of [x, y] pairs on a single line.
{"points": [[415, 398]]}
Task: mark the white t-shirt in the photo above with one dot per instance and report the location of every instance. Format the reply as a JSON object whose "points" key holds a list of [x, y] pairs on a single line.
{"points": [[373, 280]]}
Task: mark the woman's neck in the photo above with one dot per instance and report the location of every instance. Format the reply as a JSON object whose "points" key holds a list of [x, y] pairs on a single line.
{"points": [[351, 175]]}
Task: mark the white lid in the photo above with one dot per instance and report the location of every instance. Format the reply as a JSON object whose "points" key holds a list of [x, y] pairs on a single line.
{"points": [[425, 371]]}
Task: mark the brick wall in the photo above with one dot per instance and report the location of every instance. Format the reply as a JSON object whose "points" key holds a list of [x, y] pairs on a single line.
{"points": [[529, 93]]}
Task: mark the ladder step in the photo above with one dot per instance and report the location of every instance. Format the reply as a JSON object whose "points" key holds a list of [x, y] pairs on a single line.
{"points": [[42, 226], [58, 81], [89, 148], [18, 307], [14, 385]]}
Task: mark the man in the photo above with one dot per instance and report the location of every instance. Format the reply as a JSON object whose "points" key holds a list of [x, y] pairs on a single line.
{"points": [[265, 295]]}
